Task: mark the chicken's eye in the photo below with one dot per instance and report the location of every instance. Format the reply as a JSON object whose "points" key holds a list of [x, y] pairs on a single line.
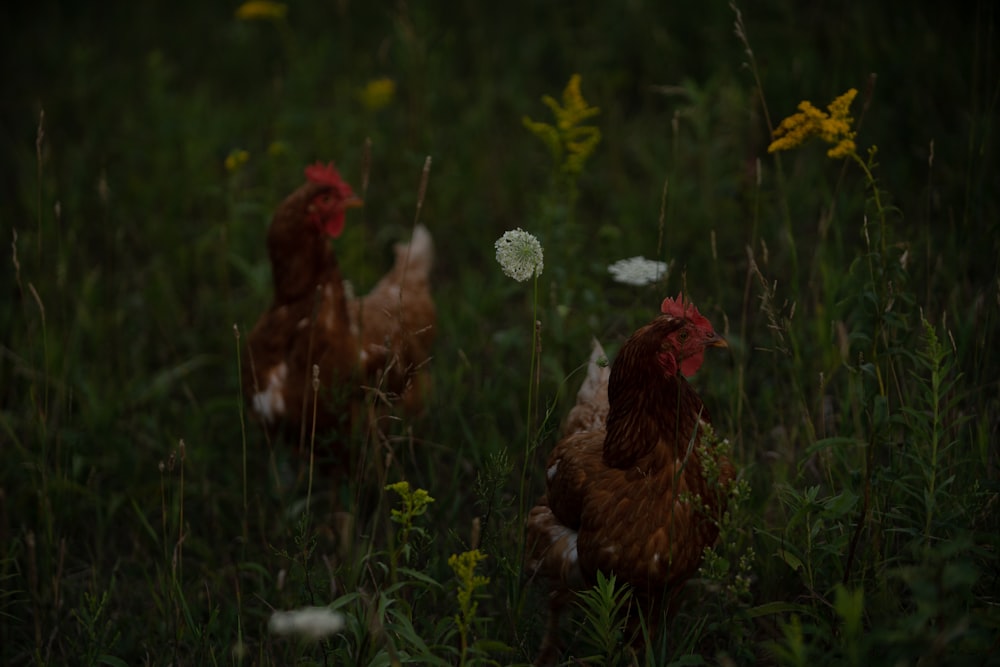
{"points": [[682, 336]]}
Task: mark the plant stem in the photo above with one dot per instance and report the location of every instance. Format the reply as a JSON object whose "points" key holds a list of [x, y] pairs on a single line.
{"points": [[935, 359], [533, 378], [243, 435]]}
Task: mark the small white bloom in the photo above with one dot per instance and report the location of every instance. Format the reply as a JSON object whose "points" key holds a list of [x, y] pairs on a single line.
{"points": [[519, 254], [312, 623], [638, 271]]}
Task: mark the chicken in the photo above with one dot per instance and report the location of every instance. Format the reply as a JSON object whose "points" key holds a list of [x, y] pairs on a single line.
{"points": [[379, 342], [621, 484]]}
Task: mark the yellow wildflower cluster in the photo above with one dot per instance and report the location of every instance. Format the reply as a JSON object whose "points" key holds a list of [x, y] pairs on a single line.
{"points": [[377, 93], [464, 566], [832, 126], [277, 148], [262, 10], [415, 502], [236, 159], [569, 142]]}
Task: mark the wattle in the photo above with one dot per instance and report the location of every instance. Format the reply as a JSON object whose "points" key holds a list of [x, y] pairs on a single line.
{"points": [[330, 223], [691, 364], [334, 224]]}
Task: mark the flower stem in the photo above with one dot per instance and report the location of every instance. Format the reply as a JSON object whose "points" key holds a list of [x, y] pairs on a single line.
{"points": [[529, 423]]}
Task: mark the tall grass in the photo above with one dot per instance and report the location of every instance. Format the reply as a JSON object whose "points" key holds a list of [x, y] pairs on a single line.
{"points": [[143, 518]]}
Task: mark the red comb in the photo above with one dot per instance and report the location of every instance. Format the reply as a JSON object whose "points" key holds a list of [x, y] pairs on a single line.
{"points": [[684, 310], [327, 209], [327, 174], [323, 174]]}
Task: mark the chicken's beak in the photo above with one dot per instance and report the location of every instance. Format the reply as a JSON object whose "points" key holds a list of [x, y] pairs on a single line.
{"points": [[715, 340], [352, 202]]}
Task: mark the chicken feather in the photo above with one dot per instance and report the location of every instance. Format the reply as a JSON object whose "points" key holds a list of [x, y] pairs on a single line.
{"points": [[620, 485], [380, 341]]}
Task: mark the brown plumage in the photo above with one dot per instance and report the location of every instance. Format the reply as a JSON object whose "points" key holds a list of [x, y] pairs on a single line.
{"points": [[621, 483], [378, 343]]}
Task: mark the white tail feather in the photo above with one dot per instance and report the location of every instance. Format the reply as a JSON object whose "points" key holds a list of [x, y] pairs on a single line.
{"points": [[420, 250], [591, 410]]}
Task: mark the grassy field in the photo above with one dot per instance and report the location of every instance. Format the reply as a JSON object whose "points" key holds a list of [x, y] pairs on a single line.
{"points": [[144, 519]]}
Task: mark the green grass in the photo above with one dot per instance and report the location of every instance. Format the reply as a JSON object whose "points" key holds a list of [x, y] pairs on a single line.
{"points": [[859, 395]]}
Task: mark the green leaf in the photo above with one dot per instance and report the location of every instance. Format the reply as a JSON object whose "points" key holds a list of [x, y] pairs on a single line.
{"points": [[419, 576], [111, 660], [828, 443], [144, 522], [791, 559], [841, 504], [772, 608], [850, 605]]}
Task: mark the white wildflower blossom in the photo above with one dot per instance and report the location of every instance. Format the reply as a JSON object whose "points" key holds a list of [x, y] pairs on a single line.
{"points": [[313, 623], [519, 254], [637, 271]]}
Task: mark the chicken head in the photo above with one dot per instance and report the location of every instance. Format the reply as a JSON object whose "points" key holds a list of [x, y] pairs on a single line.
{"points": [[684, 348], [326, 209]]}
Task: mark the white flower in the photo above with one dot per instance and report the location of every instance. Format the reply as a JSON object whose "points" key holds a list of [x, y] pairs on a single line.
{"points": [[638, 271], [312, 623], [519, 254]]}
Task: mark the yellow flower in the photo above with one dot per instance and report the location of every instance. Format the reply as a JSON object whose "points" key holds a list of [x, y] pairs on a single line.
{"points": [[569, 142], [262, 9], [377, 93], [277, 148], [832, 126], [415, 502], [843, 148], [236, 159], [464, 565], [574, 108]]}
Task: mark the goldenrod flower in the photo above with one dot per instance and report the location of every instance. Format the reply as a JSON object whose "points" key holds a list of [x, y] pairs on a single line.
{"points": [[569, 142], [262, 10], [415, 502], [519, 254], [464, 566], [277, 148], [236, 159], [833, 127], [377, 93], [637, 271]]}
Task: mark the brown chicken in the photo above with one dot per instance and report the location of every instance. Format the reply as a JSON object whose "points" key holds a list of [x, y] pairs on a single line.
{"points": [[622, 483], [378, 343]]}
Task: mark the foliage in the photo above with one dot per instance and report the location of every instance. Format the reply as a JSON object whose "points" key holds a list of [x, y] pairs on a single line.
{"points": [[142, 515], [464, 566], [604, 629], [569, 142]]}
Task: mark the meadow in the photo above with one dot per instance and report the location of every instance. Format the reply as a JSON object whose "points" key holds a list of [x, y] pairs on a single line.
{"points": [[144, 517]]}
